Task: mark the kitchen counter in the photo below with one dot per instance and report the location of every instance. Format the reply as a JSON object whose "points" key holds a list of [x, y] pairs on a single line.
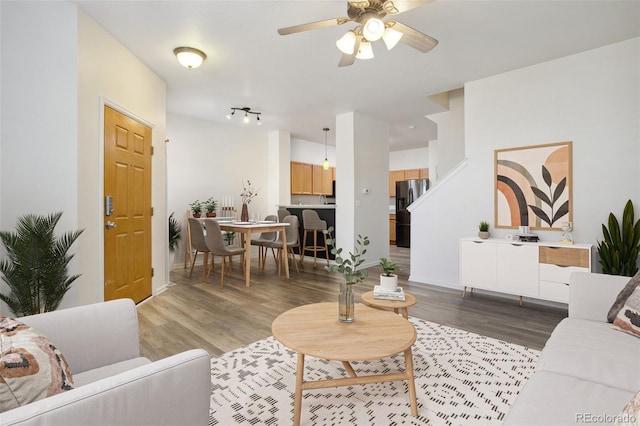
{"points": [[308, 206], [326, 212]]}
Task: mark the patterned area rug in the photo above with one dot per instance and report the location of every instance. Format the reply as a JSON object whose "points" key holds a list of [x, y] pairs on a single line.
{"points": [[461, 378]]}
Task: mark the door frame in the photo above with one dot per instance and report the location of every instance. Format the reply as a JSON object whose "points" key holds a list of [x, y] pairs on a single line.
{"points": [[103, 101]]}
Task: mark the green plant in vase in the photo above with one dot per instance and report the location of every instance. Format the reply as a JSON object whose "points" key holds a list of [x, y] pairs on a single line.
{"points": [[348, 267]]}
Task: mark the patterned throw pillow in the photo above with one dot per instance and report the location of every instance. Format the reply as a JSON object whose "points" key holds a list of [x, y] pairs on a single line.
{"points": [[623, 296], [31, 368], [628, 319], [630, 415]]}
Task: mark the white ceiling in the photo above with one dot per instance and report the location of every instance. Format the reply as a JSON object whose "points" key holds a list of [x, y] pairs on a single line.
{"points": [[295, 82]]}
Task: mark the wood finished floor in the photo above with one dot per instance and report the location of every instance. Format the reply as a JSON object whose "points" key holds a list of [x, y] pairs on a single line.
{"points": [[193, 314]]}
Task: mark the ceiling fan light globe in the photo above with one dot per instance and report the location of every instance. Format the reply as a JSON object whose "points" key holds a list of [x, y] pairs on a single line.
{"points": [[391, 38], [365, 51], [347, 43], [373, 29]]}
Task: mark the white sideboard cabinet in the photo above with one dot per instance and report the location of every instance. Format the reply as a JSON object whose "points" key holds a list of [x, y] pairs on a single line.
{"points": [[539, 270]]}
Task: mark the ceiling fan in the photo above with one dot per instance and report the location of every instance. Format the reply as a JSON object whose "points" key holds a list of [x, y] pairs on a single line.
{"points": [[369, 14]]}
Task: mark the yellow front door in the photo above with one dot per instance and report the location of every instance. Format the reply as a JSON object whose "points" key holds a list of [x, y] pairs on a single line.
{"points": [[127, 207]]}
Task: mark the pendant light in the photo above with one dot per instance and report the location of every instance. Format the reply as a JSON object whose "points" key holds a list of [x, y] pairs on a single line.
{"points": [[325, 163]]}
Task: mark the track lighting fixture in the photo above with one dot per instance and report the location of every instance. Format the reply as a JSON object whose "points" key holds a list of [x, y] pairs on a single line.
{"points": [[246, 118]]}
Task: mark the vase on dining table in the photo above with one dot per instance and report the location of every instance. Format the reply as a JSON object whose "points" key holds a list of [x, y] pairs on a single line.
{"points": [[244, 214], [346, 306]]}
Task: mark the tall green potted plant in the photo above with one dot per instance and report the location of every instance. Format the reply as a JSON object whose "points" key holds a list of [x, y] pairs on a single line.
{"points": [[348, 267], [36, 265], [619, 250], [175, 235]]}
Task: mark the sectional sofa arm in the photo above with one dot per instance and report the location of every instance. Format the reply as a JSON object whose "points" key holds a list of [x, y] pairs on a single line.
{"points": [[92, 336], [173, 391], [591, 295]]}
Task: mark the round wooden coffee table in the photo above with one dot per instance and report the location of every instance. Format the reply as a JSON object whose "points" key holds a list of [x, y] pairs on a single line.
{"points": [[396, 305], [314, 330]]}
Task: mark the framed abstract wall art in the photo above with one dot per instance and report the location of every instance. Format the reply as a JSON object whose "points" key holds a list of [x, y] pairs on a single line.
{"points": [[533, 186]]}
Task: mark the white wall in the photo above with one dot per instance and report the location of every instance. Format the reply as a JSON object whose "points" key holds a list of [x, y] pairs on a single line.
{"points": [[312, 152], [448, 149], [57, 66], [362, 146], [38, 136], [409, 159], [109, 73], [206, 159], [591, 98]]}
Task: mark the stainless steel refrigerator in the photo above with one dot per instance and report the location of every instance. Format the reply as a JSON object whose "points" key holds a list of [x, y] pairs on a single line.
{"points": [[407, 191]]}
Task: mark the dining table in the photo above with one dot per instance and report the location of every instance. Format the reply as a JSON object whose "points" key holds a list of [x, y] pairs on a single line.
{"points": [[248, 228]]}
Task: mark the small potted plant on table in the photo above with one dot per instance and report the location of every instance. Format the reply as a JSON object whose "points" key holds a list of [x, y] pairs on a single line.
{"points": [[483, 230], [388, 280], [196, 208], [210, 206]]}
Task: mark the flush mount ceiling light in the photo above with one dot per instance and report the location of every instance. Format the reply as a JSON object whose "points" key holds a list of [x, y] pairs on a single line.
{"points": [[246, 111], [189, 57], [325, 163], [369, 15]]}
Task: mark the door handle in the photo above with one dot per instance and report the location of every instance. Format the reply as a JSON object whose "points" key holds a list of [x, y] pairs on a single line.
{"points": [[110, 224]]}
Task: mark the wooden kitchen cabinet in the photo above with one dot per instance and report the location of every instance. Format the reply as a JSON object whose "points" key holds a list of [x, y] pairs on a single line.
{"points": [[424, 173], [394, 176], [392, 229], [322, 180], [301, 178], [411, 174]]}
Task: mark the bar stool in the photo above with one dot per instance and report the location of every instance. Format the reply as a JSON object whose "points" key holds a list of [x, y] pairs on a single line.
{"points": [[312, 222]]}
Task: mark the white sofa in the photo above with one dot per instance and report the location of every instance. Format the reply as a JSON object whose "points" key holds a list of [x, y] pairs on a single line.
{"points": [[588, 371], [114, 385]]}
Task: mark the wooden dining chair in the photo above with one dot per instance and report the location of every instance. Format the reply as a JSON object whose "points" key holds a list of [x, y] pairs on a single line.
{"points": [[217, 247]]}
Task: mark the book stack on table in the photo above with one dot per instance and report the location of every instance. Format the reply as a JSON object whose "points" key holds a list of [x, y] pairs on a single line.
{"points": [[380, 293]]}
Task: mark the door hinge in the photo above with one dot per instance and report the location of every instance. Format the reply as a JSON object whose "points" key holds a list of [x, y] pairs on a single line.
{"points": [[152, 272], [151, 211], [152, 150]]}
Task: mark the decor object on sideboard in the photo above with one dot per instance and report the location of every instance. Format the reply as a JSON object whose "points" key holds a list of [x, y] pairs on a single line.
{"points": [[210, 207], [533, 186], [189, 57], [566, 238], [246, 111], [369, 15], [388, 280], [36, 268], [483, 230], [196, 208], [619, 250], [348, 267]]}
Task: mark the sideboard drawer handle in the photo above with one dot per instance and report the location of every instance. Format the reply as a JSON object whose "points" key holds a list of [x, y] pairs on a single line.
{"points": [[517, 245], [478, 242]]}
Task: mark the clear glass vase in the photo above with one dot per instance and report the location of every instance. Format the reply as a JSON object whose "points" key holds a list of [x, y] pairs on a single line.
{"points": [[346, 311]]}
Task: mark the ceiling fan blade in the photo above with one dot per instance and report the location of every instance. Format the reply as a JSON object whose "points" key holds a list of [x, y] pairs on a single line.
{"points": [[393, 7], [346, 59], [414, 38], [312, 26]]}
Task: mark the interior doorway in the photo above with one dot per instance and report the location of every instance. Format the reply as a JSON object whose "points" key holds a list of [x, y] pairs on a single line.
{"points": [[127, 207]]}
